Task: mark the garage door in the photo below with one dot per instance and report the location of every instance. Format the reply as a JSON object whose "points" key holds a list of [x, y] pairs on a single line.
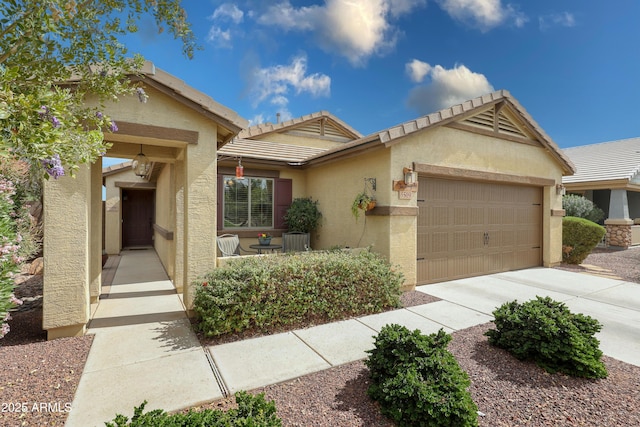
{"points": [[471, 228]]}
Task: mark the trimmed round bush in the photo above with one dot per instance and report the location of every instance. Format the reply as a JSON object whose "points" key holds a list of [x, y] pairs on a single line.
{"points": [[545, 331], [579, 237], [417, 381], [272, 292]]}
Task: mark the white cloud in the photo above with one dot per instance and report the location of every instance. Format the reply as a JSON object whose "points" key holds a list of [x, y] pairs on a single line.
{"points": [[228, 11], [223, 13], [417, 70], [275, 83], [564, 19], [219, 37], [483, 14], [355, 29], [447, 87]]}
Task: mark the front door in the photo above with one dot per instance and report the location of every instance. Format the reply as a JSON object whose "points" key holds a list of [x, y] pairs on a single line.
{"points": [[137, 217]]}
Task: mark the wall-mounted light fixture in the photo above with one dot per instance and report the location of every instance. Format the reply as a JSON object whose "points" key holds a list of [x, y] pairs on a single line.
{"points": [[410, 177], [560, 190], [141, 164]]}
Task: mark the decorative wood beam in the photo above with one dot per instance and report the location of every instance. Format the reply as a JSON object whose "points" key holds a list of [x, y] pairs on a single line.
{"points": [[157, 132]]}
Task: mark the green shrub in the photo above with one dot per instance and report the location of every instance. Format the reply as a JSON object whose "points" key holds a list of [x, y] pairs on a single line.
{"points": [[417, 381], [581, 207], [252, 411], [546, 332], [267, 293], [579, 237], [303, 215]]}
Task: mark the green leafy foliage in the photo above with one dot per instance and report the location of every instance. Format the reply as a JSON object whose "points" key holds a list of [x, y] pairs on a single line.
{"points": [[581, 207], [303, 215], [545, 331], [417, 381], [268, 293], [54, 55], [579, 237], [253, 411], [19, 237]]}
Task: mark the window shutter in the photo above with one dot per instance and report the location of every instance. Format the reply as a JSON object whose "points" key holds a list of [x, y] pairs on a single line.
{"points": [[219, 197], [283, 199]]}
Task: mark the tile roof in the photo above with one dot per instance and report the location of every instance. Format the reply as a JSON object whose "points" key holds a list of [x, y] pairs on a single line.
{"points": [[605, 161], [457, 112], [266, 150]]}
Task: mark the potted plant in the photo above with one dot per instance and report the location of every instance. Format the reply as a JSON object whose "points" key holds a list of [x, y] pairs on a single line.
{"points": [[364, 202], [264, 239], [303, 215]]}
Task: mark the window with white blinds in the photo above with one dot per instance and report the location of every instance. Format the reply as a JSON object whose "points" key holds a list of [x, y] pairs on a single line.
{"points": [[248, 202]]}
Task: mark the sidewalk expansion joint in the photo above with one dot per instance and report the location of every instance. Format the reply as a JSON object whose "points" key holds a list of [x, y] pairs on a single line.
{"points": [[312, 349], [216, 373]]}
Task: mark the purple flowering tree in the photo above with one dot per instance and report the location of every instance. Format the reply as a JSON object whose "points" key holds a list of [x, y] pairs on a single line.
{"points": [[45, 51]]}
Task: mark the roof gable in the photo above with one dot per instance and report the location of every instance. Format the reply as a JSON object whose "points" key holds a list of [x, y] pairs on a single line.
{"points": [[321, 124], [497, 114]]}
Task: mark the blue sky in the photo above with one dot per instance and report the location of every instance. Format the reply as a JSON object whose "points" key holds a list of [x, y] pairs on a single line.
{"points": [[573, 64]]}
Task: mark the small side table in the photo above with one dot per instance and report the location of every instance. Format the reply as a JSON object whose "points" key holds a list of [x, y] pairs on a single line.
{"points": [[268, 247]]}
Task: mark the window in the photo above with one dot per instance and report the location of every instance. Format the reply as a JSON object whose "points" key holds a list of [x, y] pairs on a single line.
{"points": [[248, 202]]}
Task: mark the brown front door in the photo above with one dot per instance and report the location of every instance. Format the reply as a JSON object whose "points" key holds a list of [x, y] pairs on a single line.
{"points": [[137, 217], [470, 228]]}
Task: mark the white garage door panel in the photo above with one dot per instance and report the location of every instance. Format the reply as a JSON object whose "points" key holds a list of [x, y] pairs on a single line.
{"points": [[471, 228]]}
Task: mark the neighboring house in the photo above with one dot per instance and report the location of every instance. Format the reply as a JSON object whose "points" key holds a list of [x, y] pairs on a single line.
{"points": [[488, 197], [608, 175], [179, 129]]}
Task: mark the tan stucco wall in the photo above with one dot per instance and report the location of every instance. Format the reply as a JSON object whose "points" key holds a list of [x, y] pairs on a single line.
{"points": [[455, 148], [165, 217], [335, 185], [67, 243]]}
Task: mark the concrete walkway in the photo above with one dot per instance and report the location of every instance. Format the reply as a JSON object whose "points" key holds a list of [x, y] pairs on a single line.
{"points": [[144, 347]]}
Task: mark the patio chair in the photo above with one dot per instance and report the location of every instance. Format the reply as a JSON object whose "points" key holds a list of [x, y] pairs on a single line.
{"points": [[229, 245], [296, 242]]}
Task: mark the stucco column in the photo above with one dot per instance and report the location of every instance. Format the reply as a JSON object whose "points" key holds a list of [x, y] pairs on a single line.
{"points": [[95, 257], [67, 225], [112, 219], [179, 227], [199, 213]]}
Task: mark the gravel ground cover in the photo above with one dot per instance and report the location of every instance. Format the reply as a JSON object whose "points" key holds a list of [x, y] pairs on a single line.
{"points": [[41, 377]]}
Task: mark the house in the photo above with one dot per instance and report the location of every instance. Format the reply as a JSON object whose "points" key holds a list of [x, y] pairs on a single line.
{"points": [[608, 175], [487, 197], [469, 190], [179, 129]]}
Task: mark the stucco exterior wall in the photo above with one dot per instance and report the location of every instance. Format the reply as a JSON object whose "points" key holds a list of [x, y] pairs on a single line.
{"points": [[455, 148], [335, 185], [165, 217], [67, 239]]}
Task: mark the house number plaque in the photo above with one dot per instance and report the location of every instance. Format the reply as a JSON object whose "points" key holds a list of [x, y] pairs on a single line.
{"points": [[405, 194]]}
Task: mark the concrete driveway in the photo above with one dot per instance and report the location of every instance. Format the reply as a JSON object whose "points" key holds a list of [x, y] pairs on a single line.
{"points": [[614, 303]]}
